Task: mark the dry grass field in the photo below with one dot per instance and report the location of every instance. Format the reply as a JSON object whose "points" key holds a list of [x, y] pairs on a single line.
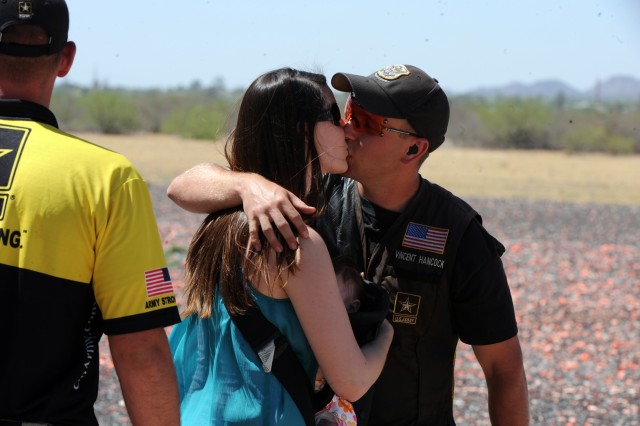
{"points": [[538, 175]]}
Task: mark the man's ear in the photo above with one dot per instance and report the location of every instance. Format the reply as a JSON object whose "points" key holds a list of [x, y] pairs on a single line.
{"points": [[417, 150], [67, 56], [413, 149]]}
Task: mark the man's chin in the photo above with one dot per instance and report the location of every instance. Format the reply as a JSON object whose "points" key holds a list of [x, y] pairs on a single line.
{"points": [[349, 167], [348, 173]]}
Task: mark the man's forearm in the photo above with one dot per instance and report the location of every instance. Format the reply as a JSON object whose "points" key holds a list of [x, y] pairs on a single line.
{"points": [[147, 377], [206, 188], [503, 368], [509, 400]]}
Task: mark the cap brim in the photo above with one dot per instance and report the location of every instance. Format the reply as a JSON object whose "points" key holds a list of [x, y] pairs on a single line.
{"points": [[368, 93], [340, 82]]}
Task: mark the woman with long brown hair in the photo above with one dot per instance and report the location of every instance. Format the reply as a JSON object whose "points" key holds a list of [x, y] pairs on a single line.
{"points": [[289, 132]]}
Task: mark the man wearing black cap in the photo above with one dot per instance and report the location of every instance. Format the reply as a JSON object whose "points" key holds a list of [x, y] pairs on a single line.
{"points": [[427, 247], [80, 253]]}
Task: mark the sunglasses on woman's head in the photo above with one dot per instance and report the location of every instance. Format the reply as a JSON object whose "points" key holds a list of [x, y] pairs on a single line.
{"points": [[331, 114], [365, 122]]}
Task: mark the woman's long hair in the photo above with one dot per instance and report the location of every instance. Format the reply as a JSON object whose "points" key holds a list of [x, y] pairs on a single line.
{"points": [[274, 137]]}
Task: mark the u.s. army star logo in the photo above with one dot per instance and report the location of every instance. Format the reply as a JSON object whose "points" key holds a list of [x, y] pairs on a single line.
{"points": [[405, 308], [25, 11], [12, 141]]}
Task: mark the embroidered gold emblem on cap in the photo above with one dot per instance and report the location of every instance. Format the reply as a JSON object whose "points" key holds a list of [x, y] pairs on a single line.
{"points": [[393, 72]]}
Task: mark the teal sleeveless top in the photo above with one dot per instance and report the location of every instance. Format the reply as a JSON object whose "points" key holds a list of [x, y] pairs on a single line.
{"points": [[220, 378]]}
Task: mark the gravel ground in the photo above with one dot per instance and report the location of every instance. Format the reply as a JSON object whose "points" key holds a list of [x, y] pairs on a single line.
{"points": [[574, 273]]}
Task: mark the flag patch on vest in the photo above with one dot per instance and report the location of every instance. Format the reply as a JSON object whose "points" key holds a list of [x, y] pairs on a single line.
{"points": [[405, 308], [427, 238]]}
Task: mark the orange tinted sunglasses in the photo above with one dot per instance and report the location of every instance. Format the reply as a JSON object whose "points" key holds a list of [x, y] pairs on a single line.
{"points": [[365, 122]]}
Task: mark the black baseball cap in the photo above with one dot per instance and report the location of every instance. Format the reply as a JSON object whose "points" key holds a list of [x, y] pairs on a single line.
{"points": [[51, 15], [401, 91]]}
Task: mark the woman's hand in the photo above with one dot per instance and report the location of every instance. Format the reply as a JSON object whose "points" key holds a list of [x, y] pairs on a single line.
{"points": [[267, 204]]}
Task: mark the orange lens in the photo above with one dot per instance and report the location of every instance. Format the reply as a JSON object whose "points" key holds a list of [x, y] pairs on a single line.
{"points": [[361, 120]]}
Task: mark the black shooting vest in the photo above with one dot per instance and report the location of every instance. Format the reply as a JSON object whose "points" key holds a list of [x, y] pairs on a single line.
{"points": [[414, 261]]}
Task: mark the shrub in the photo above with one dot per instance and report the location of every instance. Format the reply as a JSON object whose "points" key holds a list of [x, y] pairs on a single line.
{"points": [[586, 138], [110, 112], [465, 127], [517, 123], [619, 145], [198, 121]]}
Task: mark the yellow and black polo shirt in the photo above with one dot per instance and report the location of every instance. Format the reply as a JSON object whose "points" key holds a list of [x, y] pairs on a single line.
{"points": [[80, 255]]}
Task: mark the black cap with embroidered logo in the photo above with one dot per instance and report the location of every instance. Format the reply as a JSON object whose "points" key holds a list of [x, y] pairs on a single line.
{"points": [[402, 91], [51, 15]]}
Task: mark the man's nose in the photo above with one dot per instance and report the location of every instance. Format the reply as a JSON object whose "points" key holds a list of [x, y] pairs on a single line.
{"points": [[349, 132]]}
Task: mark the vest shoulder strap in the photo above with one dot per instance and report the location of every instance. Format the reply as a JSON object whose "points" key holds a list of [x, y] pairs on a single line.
{"points": [[277, 357]]}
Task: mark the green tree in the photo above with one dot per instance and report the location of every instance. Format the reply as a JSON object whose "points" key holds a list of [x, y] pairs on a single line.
{"points": [[517, 123], [204, 121], [584, 138], [465, 126], [110, 112]]}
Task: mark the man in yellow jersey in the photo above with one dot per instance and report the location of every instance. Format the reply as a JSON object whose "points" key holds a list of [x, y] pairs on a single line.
{"points": [[80, 253]]}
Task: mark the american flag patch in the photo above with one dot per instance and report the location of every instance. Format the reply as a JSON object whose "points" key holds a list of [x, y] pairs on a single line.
{"points": [[427, 238], [158, 282]]}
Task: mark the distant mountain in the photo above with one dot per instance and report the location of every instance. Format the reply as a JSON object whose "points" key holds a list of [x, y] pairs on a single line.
{"points": [[617, 88]]}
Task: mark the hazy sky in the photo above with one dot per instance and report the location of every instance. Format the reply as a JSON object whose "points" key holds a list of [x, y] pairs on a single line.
{"points": [[464, 44]]}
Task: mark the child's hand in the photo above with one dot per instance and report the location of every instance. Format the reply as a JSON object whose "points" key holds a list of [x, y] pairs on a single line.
{"points": [[320, 381]]}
